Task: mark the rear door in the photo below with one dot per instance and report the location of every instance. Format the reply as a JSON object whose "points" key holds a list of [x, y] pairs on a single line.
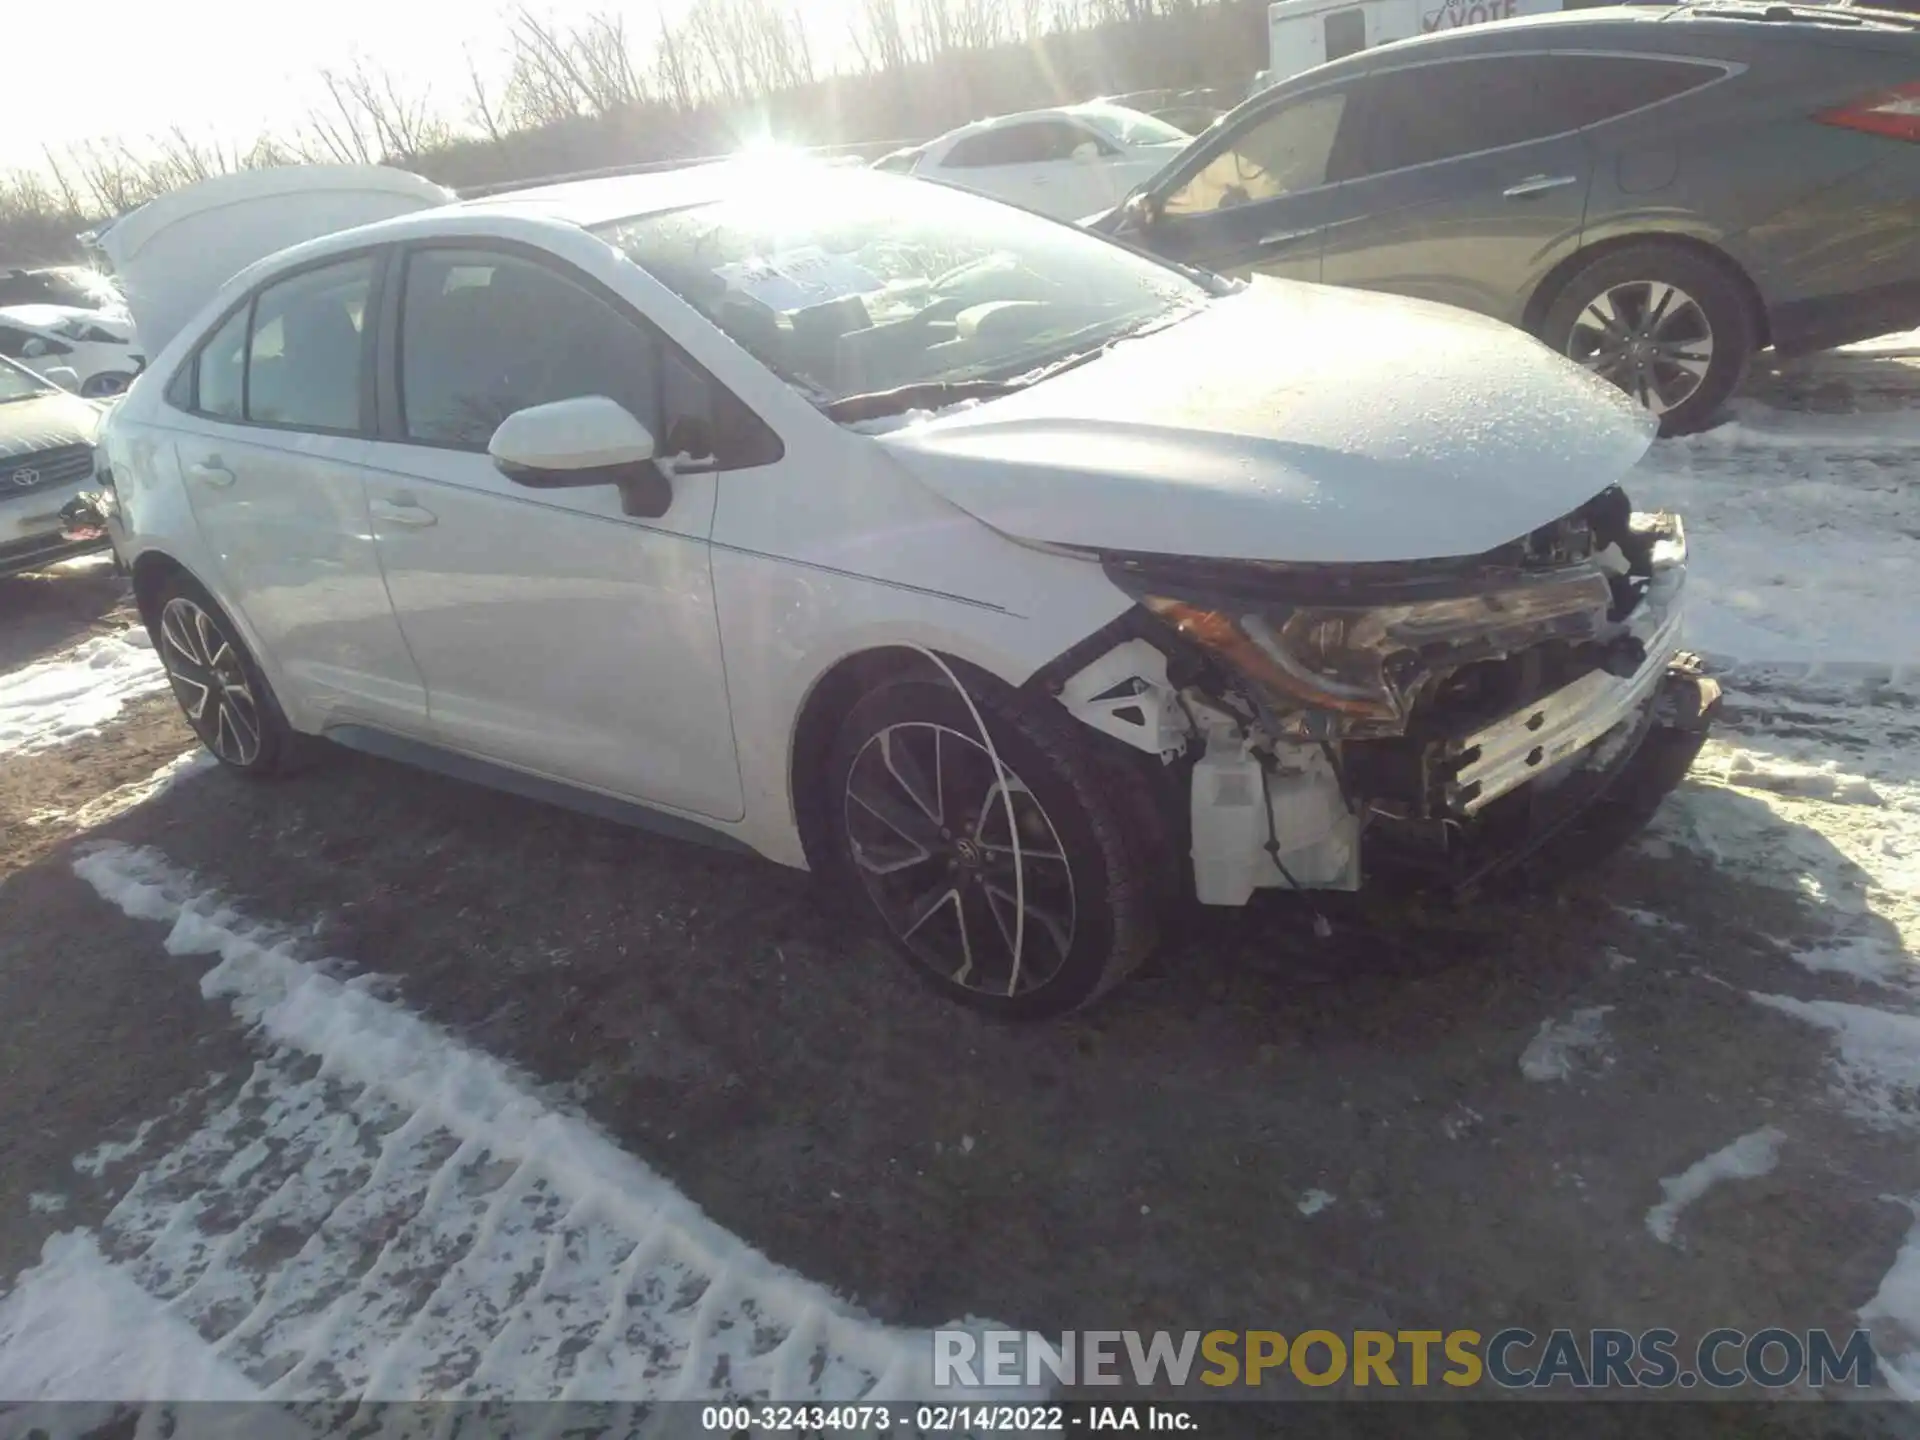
{"points": [[273, 466], [1466, 181]]}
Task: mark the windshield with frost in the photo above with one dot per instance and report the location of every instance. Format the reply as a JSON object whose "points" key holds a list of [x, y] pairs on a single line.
{"points": [[851, 284]]}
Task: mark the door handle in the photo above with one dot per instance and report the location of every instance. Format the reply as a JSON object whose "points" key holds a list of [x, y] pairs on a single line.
{"points": [[403, 513], [1281, 239], [211, 472], [1539, 185]]}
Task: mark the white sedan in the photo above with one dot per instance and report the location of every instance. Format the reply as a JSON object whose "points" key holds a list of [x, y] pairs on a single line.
{"points": [[1069, 162], [97, 346], [1018, 582]]}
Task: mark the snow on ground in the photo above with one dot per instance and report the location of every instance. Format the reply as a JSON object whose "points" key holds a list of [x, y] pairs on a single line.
{"points": [[1894, 1315], [1812, 785], [123, 798], [1803, 535], [1747, 1158], [1804, 529], [1561, 1049], [77, 691], [408, 1219]]}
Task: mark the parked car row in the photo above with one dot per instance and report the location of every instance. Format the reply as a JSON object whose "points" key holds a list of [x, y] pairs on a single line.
{"points": [[69, 324], [1658, 193]]}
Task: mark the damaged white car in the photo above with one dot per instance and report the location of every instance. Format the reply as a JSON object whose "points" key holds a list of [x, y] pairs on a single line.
{"points": [[1022, 583]]}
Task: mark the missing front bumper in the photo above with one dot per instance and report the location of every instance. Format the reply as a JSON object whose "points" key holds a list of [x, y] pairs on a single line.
{"points": [[1538, 739]]}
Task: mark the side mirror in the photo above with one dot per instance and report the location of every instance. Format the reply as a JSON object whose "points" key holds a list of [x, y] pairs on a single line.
{"points": [[62, 375], [591, 440], [1139, 213], [1086, 152]]}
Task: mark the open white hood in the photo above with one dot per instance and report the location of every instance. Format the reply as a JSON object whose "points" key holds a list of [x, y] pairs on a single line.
{"points": [[173, 253], [1292, 422]]}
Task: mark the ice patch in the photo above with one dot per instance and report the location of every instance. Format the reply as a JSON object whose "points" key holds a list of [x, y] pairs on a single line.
{"points": [[122, 798], [78, 1328], [1314, 1201], [1646, 919], [1557, 1050], [413, 1220], [1748, 1158], [75, 693], [40, 1203], [109, 1152], [1877, 1062], [1893, 1315]]}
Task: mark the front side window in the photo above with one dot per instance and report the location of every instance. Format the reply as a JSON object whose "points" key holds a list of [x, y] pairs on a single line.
{"points": [[221, 368], [13, 343], [485, 333], [304, 360], [1282, 153], [851, 283]]}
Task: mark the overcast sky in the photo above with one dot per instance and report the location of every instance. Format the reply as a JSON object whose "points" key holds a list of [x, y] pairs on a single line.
{"points": [[125, 69]]}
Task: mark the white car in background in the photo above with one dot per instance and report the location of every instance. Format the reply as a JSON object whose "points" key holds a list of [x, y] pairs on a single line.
{"points": [[1017, 581], [1065, 163], [46, 462], [98, 346]]}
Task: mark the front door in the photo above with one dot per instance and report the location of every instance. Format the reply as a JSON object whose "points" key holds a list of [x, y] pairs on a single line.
{"points": [[556, 634], [273, 473], [1258, 199]]}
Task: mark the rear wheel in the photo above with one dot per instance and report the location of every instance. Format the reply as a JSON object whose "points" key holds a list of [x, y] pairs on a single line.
{"points": [[921, 835], [221, 691], [1664, 323]]}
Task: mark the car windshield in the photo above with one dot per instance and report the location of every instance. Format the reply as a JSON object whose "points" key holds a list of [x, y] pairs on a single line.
{"points": [[1130, 127], [850, 284], [18, 384]]}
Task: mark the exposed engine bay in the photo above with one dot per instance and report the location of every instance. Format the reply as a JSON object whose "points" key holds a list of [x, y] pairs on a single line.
{"points": [[1445, 716]]}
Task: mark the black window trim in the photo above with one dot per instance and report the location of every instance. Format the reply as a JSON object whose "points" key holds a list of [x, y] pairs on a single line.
{"points": [[382, 256], [389, 392], [1356, 79]]}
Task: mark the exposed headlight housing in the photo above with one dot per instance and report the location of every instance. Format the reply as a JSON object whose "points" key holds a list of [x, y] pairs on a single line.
{"points": [[1355, 670]]}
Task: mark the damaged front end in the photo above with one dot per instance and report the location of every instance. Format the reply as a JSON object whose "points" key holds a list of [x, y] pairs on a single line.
{"points": [[1447, 717]]}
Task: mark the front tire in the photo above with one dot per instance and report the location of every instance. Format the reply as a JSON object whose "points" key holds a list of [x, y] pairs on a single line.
{"points": [[919, 835], [1664, 323], [222, 694]]}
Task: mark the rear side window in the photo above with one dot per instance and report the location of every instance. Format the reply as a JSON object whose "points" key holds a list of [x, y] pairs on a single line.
{"points": [[1436, 112], [221, 367], [1589, 89], [304, 357], [1284, 151]]}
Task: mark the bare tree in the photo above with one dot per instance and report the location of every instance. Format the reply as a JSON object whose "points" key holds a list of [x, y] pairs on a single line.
{"points": [[880, 37], [481, 107]]}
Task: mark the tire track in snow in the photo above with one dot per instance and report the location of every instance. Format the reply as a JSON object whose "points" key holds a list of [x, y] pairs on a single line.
{"points": [[407, 1219]]}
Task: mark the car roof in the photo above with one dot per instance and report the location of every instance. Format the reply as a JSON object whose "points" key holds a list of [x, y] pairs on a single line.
{"points": [[40, 317], [1023, 117]]}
